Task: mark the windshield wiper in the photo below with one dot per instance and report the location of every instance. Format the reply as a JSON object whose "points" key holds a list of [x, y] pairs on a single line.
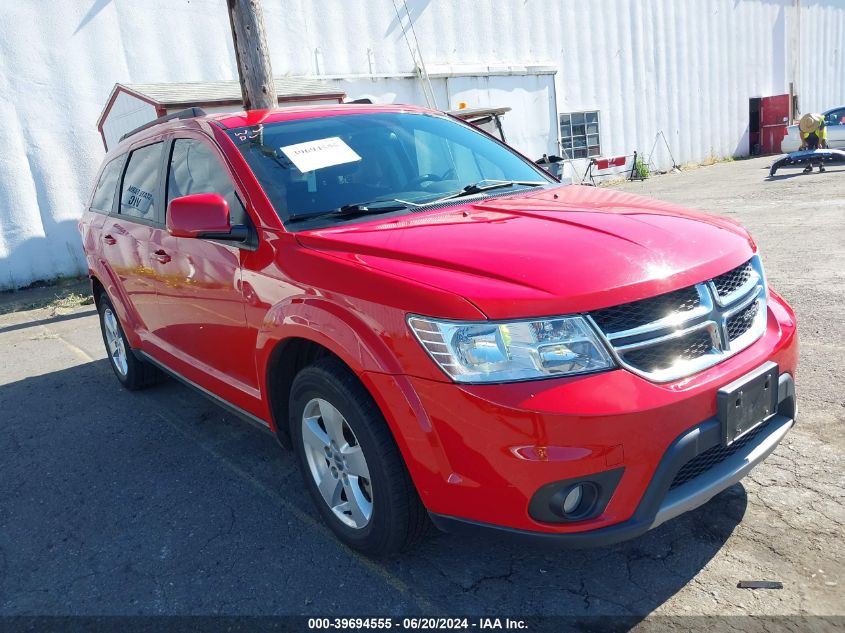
{"points": [[351, 211], [479, 187], [368, 208]]}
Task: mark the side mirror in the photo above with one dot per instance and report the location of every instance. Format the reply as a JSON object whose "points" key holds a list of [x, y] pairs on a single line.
{"points": [[202, 215]]}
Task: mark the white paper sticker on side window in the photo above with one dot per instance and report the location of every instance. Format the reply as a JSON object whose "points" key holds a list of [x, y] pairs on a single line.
{"points": [[326, 152], [137, 198]]}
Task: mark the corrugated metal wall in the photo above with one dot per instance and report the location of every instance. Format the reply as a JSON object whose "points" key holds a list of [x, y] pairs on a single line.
{"points": [[822, 61], [684, 67]]}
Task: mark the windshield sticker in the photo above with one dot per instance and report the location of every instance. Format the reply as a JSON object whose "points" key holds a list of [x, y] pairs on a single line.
{"points": [[326, 152]]}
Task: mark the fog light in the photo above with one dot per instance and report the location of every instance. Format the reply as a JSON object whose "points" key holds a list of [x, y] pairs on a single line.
{"points": [[573, 499], [577, 499]]}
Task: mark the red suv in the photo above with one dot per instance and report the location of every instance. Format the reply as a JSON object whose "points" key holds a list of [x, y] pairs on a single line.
{"points": [[436, 326]]}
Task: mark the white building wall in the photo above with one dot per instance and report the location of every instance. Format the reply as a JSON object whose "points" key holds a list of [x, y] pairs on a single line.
{"points": [[822, 62], [683, 67], [59, 60], [531, 127]]}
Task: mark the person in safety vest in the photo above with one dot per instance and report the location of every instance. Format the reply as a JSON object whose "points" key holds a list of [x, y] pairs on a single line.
{"points": [[813, 136]]}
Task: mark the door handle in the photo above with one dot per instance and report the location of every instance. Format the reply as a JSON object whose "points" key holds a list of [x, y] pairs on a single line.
{"points": [[108, 239], [162, 256]]}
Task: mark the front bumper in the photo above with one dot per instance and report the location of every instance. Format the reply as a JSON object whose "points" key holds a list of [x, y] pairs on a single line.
{"points": [[661, 501], [479, 454]]}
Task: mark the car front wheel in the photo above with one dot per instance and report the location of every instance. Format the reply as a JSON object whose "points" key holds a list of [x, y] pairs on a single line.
{"points": [[350, 461]]}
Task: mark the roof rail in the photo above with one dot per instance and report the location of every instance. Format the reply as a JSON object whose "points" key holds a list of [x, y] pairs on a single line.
{"points": [[190, 113]]}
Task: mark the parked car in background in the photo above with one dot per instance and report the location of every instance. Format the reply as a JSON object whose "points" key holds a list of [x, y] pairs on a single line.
{"points": [[436, 326], [835, 122]]}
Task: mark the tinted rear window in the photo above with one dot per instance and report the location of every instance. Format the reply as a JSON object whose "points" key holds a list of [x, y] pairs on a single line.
{"points": [[140, 184], [103, 199]]}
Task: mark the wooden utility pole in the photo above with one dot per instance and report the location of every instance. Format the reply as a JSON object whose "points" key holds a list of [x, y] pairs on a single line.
{"points": [[253, 56]]}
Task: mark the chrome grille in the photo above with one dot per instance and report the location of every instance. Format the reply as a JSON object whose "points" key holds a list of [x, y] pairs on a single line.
{"points": [[663, 355], [742, 321], [733, 280], [685, 331], [638, 313]]}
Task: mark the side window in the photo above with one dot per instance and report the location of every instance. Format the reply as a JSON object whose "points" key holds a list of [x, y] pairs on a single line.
{"points": [[195, 169], [103, 198], [463, 165], [140, 184], [837, 117], [468, 164], [490, 170], [431, 150]]}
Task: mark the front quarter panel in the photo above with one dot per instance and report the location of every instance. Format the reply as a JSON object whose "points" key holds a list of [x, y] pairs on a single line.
{"points": [[359, 315]]}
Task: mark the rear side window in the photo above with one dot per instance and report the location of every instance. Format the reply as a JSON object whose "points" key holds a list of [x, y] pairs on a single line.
{"points": [[140, 183], [194, 168], [103, 199], [837, 117]]}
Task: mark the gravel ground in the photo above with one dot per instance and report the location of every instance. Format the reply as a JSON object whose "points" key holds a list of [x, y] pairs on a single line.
{"points": [[159, 502]]}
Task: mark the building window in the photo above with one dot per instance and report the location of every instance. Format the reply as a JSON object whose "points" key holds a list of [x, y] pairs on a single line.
{"points": [[579, 134]]}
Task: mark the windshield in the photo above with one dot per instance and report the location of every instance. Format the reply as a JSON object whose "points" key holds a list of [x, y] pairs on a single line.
{"points": [[396, 161]]}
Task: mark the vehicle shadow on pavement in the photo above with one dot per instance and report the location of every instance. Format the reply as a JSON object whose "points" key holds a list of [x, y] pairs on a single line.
{"points": [[630, 579], [159, 502]]}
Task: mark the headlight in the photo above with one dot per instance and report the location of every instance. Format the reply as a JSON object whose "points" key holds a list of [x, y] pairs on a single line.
{"points": [[522, 350]]}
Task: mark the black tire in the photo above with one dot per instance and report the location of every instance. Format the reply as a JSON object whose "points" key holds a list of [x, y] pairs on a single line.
{"points": [[398, 518], [138, 374]]}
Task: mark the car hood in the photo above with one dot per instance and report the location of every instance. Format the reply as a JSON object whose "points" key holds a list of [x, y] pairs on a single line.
{"points": [[554, 251]]}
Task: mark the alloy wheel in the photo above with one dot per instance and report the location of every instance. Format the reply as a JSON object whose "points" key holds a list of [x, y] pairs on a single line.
{"points": [[114, 341], [337, 463]]}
